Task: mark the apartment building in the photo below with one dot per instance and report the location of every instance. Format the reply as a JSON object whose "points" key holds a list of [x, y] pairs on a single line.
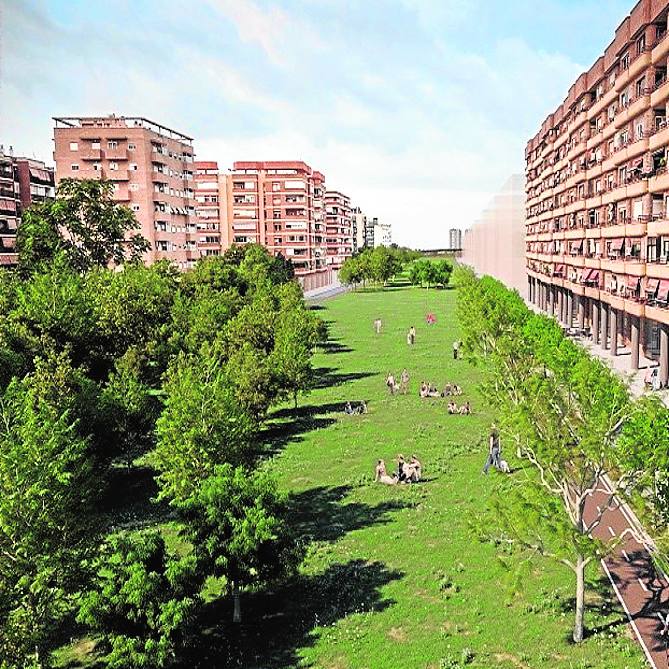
{"points": [[151, 168], [381, 234], [281, 205], [495, 244], [358, 226], [455, 239], [211, 208], [23, 182], [338, 228], [597, 186]]}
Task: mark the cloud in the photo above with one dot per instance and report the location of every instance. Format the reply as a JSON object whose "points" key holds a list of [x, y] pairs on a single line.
{"points": [[418, 112]]}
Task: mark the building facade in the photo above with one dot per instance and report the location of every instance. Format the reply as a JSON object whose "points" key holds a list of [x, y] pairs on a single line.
{"points": [[23, 182], [210, 208], [381, 234], [597, 237], [455, 239], [151, 168], [495, 244], [358, 226], [338, 228], [281, 205]]}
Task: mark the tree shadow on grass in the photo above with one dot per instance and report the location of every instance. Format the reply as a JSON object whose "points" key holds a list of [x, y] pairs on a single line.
{"points": [[318, 514], [333, 346], [328, 377], [277, 624]]}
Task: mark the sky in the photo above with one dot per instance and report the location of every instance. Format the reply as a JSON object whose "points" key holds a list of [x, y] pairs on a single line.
{"points": [[419, 110]]}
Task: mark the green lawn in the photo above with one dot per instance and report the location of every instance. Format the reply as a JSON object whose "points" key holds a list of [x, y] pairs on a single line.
{"points": [[394, 577]]}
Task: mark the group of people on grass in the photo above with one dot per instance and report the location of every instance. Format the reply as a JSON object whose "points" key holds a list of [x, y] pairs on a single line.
{"points": [[464, 409], [395, 387], [430, 390], [359, 408], [407, 472]]}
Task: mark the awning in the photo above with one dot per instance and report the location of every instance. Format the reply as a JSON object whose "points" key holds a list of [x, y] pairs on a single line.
{"points": [[632, 283], [663, 291], [40, 175], [651, 285], [592, 276], [558, 270], [616, 245]]}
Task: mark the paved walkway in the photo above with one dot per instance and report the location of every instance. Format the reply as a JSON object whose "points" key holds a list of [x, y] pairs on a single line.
{"points": [[642, 591], [325, 292]]}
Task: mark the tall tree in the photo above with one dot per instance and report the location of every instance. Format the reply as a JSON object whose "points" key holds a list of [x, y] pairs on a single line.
{"points": [[142, 601], [236, 523], [85, 222]]}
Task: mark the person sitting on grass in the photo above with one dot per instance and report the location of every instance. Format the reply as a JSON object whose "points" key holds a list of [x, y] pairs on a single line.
{"points": [[381, 476], [401, 469], [452, 407], [456, 390], [348, 409], [465, 409], [432, 391], [423, 389], [414, 469], [447, 390]]}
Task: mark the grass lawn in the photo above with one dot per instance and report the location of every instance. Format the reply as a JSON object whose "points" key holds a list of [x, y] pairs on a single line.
{"points": [[394, 577]]}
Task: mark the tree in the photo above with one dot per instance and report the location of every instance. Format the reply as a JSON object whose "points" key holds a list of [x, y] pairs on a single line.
{"points": [[45, 518], [236, 523], [202, 424], [563, 412], [142, 601], [86, 223]]}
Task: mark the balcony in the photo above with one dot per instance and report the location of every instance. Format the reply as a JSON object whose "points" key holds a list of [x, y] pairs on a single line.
{"points": [[91, 154], [659, 182], [119, 153], [660, 50]]}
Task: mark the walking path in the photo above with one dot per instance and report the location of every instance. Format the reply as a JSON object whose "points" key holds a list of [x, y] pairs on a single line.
{"points": [[642, 591], [325, 292]]}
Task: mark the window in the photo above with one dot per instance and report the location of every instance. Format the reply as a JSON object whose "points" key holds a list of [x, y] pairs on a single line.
{"points": [[95, 145], [113, 165], [133, 186], [74, 146], [135, 207], [112, 144], [641, 44], [75, 167], [131, 146], [133, 167], [625, 61], [96, 167]]}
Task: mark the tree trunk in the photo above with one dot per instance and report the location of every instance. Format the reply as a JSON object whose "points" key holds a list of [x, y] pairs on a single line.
{"points": [[295, 400], [580, 599], [236, 603]]}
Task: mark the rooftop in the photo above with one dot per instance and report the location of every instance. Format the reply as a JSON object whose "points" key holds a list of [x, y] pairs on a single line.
{"points": [[113, 121]]}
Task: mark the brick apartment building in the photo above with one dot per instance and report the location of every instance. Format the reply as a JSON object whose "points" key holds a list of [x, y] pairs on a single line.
{"points": [[280, 205], [338, 228], [211, 208], [151, 167], [597, 185], [23, 182]]}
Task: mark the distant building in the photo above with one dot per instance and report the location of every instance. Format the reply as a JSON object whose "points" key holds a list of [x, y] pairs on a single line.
{"points": [[382, 235], [338, 228], [23, 182], [358, 225], [455, 239], [495, 244], [209, 203], [151, 167]]}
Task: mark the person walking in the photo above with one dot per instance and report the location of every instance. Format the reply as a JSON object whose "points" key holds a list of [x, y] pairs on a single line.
{"points": [[404, 382], [456, 349], [412, 335], [494, 450], [378, 325]]}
